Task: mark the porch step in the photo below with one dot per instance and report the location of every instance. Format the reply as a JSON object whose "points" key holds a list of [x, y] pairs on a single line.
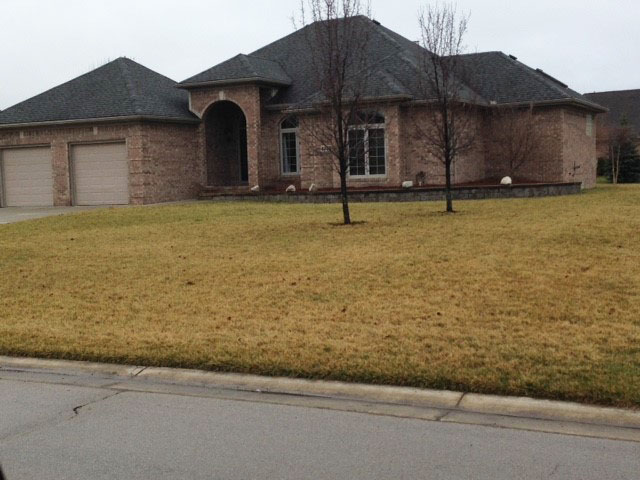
{"points": [[214, 191]]}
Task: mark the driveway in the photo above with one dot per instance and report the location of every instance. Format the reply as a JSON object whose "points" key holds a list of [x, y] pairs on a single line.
{"points": [[20, 214]]}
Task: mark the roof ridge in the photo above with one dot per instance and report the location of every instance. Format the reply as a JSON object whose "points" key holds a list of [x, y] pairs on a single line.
{"points": [[61, 84], [463, 82], [383, 31], [300, 30], [626, 90], [129, 83], [251, 55], [119, 88], [479, 53], [537, 75], [393, 82], [383, 70], [295, 32], [245, 60]]}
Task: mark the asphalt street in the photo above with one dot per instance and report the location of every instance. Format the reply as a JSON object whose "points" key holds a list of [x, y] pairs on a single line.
{"points": [[80, 428]]}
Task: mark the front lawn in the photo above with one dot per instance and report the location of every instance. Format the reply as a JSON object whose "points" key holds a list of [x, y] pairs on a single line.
{"points": [[535, 297]]}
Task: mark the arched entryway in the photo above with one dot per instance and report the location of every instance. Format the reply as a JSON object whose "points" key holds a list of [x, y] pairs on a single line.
{"points": [[226, 145]]}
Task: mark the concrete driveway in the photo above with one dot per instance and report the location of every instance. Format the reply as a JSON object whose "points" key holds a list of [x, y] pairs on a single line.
{"points": [[20, 214]]}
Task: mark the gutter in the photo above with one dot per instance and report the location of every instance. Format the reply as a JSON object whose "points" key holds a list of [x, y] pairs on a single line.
{"points": [[235, 81], [135, 118], [563, 101], [542, 103]]}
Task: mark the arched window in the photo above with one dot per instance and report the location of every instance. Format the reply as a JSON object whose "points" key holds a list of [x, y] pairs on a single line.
{"points": [[289, 146], [367, 149]]}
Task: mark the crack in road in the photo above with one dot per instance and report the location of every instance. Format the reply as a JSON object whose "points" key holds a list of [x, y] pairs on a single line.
{"points": [[57, 419], [76, 410]]}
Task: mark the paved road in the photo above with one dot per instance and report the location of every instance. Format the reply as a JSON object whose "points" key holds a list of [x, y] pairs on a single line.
{"points": [[52, 426], [20, 214]]}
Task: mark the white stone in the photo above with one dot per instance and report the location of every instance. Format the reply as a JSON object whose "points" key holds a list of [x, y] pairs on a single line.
{"points": [[408, 184], [506, 181], [291, 189], [313, 188], [255, 189]]}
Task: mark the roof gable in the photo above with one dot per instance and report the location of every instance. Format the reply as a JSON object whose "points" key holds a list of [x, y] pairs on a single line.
{"points": [[121, 88], [239, 69]]}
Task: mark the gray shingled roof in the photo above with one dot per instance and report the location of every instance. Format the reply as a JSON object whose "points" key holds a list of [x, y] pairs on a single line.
{"points": [[389, 69], [621, 104], [121, 88], [242, 68], [394, 70], [503, 79], [124, 88]]}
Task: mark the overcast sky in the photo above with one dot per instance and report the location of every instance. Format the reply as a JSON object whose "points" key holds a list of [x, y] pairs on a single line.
{"points": [[592, 45]]}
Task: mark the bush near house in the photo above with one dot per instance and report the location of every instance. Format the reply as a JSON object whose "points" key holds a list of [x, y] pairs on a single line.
{"points": [[535, 297]]}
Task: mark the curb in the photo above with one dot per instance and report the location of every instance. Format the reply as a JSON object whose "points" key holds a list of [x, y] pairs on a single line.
{"points": [[457, 404]]}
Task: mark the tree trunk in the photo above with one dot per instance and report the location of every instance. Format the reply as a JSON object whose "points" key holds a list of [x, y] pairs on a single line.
{"points": [[447, 168], [344, 193]]}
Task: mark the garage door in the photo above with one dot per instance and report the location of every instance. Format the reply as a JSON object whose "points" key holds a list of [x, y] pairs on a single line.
{"points": [[27, 177], [100, 174]]}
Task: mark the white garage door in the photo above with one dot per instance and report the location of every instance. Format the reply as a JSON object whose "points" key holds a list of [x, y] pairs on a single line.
{"points": [[100, 174], [27, 177]]}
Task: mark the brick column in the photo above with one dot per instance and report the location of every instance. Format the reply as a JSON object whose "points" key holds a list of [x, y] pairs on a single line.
{"points": [[395, 162], [138, 167], [61, 180], [254, 132]]}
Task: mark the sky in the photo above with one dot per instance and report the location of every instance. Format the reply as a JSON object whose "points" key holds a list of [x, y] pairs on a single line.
{"points": [[592, 45]]}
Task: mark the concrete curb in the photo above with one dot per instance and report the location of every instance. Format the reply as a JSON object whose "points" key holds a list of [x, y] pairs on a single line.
{"points": [[316, 388], [458, 404]]}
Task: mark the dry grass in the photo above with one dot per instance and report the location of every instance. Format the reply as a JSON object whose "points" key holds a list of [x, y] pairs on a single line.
{"points": [[537, 297]]}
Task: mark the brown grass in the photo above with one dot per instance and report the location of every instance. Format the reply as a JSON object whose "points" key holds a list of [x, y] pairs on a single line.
{"points": [[533, 297]]}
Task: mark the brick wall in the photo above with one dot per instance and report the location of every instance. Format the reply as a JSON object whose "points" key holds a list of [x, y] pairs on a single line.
{"points": [[60, 138], [417, 159], [579, 159], [249, 99], [173, 167], [561, 134], [271, 176], [167, 161], [163, 161], [545, 164], [318, 166]]}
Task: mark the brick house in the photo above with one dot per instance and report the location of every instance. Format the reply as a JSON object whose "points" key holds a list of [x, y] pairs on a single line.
{"points": [[125, 134]]}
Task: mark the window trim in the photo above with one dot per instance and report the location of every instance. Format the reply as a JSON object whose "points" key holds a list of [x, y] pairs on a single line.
{"points": [[366, 128], [590, 125], [281, 135]]}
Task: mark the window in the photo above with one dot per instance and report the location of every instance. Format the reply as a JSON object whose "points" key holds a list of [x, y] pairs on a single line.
{"points": [[289, 148], [367, 150], [589, 125]]}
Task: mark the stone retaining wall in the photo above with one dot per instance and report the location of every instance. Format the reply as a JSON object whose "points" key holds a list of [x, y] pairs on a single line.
{"points": [[414, 195]]}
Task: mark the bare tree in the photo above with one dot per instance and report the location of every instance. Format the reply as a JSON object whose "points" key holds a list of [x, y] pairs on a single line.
{"points": [[614, 137], [516, 136], [450, 129], [337, 38]]}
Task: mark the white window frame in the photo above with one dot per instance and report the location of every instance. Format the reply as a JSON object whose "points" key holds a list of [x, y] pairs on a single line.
{"points": [[284, 131], [590, 125], [366, 128]]}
